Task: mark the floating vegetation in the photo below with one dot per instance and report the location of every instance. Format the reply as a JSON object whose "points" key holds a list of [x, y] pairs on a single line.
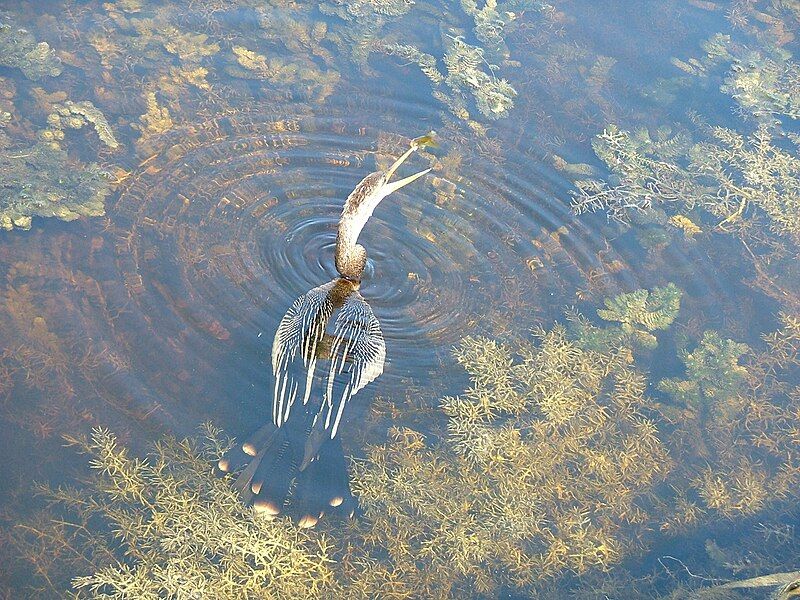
{"points": [[18, 48]]}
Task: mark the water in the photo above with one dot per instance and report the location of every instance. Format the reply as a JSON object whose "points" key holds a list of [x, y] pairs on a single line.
{"points": [[221, 203]]}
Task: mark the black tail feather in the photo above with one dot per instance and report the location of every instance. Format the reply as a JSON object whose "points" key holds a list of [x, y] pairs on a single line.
{"points": [[272, 479], [323, 484], [259, 439]]}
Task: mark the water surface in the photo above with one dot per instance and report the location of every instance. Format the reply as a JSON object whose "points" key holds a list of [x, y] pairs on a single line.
{"points": [[240, 128]]}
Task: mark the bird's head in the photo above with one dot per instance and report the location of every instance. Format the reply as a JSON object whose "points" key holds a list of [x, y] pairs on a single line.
{"points": [[359, 206]]}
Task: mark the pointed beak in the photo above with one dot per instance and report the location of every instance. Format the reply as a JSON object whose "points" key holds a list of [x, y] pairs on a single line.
{"points": [[399, 162], [396, 185]]}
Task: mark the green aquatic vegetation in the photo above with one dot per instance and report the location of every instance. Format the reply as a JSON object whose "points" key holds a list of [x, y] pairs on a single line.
{"points": [[156, 120], [765, 86], [713, 373], [251, 65], [750, 172], [362, 22], [734, 410], [542, 469], [42, 180], [643, 311], [639, 177], [465, 77], [639, 313], [490, 24], [188, 47], [492, 20], [303, 76], [19, 49], [153, 40], [458, 70], [763, 80], [158, 34], [293, 28], [74, 115], [741, 181], [177, 527]]}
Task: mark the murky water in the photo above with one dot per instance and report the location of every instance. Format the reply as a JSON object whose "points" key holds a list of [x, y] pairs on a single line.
{"points": [[173, 174]]}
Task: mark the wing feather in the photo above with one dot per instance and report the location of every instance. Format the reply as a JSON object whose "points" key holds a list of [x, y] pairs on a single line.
{"points": [[358, 340], [300, 330]]}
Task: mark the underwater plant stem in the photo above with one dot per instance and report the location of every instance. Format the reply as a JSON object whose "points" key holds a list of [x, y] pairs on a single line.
{"points": [[735, 215]]}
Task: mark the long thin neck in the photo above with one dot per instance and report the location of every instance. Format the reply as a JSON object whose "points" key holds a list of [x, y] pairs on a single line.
{"points": [[351, 258]]}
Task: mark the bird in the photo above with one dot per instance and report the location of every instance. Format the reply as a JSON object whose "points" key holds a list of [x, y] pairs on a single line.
{"points": [[334, 323]]}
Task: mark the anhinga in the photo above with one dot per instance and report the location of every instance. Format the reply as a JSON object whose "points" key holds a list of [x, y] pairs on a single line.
{"points": [[301, 440]]}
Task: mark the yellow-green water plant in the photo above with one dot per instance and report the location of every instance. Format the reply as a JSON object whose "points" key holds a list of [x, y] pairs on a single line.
{"points": [[545, 468], [742, 182], [43, 180], [175, 530], [734, 418]]}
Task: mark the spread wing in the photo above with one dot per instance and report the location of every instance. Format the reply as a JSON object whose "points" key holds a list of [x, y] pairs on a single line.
{"points": [[358, 343], [301, 329]]}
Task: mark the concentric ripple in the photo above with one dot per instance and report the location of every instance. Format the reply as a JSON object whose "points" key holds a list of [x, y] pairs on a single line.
{"points": [[219, 232]]}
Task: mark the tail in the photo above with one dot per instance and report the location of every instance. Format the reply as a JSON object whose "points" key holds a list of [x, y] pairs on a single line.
{"points": [[272, 458]]}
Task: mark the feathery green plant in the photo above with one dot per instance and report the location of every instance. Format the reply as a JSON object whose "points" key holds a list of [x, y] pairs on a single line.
{"points": [[543, 469], [181, 532]]}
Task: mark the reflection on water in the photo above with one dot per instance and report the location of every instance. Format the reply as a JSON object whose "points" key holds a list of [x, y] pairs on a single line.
{"points": [[172, 177]]}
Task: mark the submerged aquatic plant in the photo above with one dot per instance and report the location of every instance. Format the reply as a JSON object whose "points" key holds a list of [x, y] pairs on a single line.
{"points": [[361, 22], [732, 410], [179, 531], [43, 181], [713, 373], [543, 469], [763, 80], [639, 313], [18, 48], [725, 175], [466, 77], [74, 115], [643, 311], [750, 172], [301, 76], [641, 178]]}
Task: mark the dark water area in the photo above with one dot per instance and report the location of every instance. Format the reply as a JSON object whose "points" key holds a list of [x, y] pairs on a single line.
{"points": [[589, 305]]}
